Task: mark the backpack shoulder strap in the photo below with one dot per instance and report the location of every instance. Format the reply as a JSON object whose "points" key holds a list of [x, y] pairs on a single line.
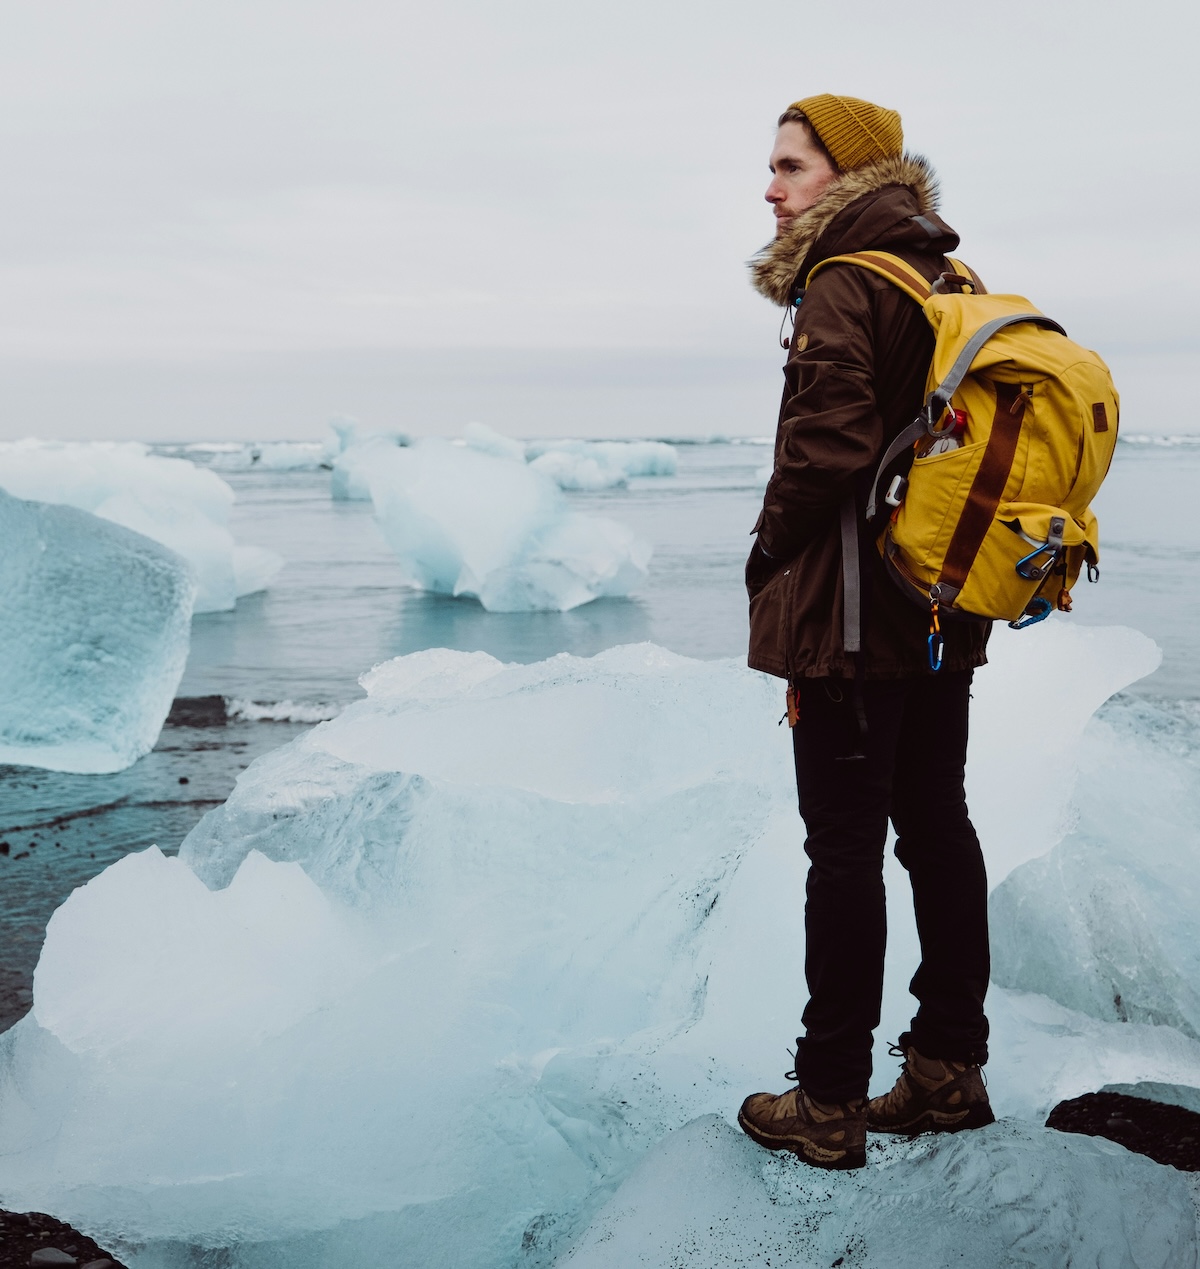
{"points": [[965, 271], [888, 266], [899, 272]]}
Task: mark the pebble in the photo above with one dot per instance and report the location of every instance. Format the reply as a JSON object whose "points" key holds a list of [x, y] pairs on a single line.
{"points": [[102, 1263], [52, 1258]]}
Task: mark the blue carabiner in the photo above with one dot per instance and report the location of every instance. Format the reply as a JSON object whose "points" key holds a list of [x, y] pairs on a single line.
{"points": [[936, 649], [1038, 610], [1035, 572]]}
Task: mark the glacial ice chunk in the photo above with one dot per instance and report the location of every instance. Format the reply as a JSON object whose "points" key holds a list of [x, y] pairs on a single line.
{"points": [[173, 501], [94, 633], [351, 454], [564, 899], [1007, 1195], [462, 522], [581, 472], [1106, 923]]}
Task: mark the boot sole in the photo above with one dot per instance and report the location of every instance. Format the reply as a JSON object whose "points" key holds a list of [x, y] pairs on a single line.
{"points": [[808, 1151], [938, 1121]]}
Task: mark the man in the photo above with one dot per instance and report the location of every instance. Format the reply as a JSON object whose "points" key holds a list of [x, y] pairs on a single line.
{"points": [[877, 734]]}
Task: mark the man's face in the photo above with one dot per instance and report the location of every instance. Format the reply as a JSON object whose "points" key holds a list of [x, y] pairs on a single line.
{"points": [[800, 174]]}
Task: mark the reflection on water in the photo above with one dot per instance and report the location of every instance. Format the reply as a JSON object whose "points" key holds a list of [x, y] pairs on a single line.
{"points": [[437, 621]]}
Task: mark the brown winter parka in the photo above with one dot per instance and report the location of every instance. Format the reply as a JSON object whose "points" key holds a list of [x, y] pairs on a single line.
{"points": [[854, 379]]}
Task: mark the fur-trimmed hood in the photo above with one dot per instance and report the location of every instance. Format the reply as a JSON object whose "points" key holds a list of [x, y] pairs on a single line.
{"points": [[774, 269]]}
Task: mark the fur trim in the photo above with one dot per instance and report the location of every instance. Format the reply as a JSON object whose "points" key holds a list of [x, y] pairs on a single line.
{"points": [[773, 270]]}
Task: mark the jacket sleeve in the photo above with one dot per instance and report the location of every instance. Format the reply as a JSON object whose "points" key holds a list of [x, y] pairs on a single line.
{"points": [[830, 429]]}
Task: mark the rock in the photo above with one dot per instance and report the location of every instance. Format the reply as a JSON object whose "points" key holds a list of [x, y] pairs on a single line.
{"points": [[1164, 1132], [52, 1258]]}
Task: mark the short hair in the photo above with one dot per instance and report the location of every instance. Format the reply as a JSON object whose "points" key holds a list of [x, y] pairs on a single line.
{"points": [[792, 115]]}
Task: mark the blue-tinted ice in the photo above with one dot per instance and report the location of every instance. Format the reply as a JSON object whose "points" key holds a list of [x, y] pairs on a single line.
{"points": [[94, 629]]}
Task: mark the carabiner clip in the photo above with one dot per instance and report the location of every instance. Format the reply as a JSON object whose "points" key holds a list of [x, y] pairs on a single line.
{"points": [[935, 645], [1036, 572]]}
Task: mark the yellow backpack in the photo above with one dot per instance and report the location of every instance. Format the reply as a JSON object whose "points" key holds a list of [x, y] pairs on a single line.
{"points": [[999, 526]]}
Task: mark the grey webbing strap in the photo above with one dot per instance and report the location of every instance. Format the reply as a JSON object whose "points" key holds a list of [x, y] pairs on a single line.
{"points": [[930, 228], [913, 432], [851, 581], [958, 372], [939, 398]]}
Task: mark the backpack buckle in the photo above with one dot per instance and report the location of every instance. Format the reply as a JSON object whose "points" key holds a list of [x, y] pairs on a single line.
{"points": [[945, 280]]}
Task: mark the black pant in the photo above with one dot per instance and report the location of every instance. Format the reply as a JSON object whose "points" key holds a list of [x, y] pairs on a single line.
{"points": [[915, 752]]}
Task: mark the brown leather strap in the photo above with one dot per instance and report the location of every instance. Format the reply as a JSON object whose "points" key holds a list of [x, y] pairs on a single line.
{"points": [[988, 486], [960, 266]]}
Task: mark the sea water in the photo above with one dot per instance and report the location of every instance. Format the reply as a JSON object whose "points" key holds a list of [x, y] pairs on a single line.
{"points": [[259, 675]]}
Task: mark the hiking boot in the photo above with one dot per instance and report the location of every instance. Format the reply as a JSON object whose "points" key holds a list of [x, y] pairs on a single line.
{"points": [[931, 1095], [830, 1135]]}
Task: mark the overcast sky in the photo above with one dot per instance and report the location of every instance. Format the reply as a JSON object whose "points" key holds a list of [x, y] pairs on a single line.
{"points": [[236, 218]]}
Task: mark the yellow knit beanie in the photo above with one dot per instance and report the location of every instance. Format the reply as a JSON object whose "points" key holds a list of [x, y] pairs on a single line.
{"points": [[854, 132]]}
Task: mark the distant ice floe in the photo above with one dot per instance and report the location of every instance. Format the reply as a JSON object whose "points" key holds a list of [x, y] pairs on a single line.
{"points": [[173, 501], [466, 522], [574, 465], [94, 634], [1148, 438], [269, 456], [477, 974], [630, 458]]}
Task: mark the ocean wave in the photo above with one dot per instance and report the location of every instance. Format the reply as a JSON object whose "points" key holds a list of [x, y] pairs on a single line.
{"points": [[1147, 438], [281, 711]]}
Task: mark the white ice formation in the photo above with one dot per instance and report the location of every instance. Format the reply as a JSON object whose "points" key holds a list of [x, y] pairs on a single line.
{"points": [[94, 633], [464, 522], [594, 465], [351, 452], [271, 456], [487, 440], [1107, 923], [462, 977], [173, 501], [1014, 1195]]}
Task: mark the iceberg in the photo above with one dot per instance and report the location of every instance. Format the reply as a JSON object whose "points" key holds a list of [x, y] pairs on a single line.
{"points": [[94, 633], [472, 970], [172, 500], [581, 472], [464, 522], [350, 454]]}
